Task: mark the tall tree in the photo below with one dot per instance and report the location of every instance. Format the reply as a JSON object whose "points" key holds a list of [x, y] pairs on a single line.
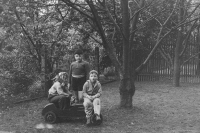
{"points": [[37, 25], [126, 19], [118, 24], [176, 78]]}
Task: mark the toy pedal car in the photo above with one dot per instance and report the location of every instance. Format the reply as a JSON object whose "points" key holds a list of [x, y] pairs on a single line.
{"points": [[52, 114]]}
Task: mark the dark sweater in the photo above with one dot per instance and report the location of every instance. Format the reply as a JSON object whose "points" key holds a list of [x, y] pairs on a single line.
{"points": [[79, 68]]}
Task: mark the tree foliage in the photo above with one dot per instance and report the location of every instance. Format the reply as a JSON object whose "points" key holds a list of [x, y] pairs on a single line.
{"points": [[125, 31]]}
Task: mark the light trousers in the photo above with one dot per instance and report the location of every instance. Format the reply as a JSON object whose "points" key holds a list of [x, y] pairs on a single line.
{"points": [[91, 105]]}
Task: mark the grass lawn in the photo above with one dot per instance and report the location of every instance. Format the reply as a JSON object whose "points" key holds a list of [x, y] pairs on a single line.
{"points": [[157, 108]]}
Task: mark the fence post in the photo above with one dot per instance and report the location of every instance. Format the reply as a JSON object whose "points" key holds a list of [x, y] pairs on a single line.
{"points": [[97, 60]]}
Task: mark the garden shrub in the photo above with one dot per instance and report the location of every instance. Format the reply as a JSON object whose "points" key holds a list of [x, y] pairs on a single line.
{"points": [[20, 81], [4, 91], [36, 88], [109, 72], [15, 83], [17, 72]]}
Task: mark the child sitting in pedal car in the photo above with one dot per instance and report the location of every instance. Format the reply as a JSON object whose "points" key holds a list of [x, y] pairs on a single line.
{"points": [[57, 94], [91, 93]]}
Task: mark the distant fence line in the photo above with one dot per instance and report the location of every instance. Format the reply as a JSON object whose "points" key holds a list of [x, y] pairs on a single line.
{"points": [[158, 68]]}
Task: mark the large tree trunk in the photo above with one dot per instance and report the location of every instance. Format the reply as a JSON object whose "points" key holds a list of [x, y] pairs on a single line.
{"points": [[127, 87], [127, 90], [176, 76]]}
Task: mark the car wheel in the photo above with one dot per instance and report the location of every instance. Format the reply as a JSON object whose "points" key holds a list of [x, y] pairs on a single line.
{"points": [[50, 117]]}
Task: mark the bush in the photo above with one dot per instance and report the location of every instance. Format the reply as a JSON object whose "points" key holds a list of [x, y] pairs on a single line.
{"points": [[109, 72], [36, 88], [3, 90], [19, 82]]}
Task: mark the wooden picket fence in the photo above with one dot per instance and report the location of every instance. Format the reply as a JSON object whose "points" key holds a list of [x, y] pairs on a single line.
{"points": [[158, 68]]}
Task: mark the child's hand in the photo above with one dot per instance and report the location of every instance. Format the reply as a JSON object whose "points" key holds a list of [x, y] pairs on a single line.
{"points": [[70, 94], [93, 97], [90, 97], [68, 85]]}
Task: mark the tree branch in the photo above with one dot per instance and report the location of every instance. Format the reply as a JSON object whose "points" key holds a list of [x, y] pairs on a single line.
{"points": [[108, 46], [186, 39], [134, 23], [140, 26], [114, 22], [141, 8], [170, 14], [190, 58], [166, 56], [191, 13], [72, 5], [158, 43], [24, 30]]}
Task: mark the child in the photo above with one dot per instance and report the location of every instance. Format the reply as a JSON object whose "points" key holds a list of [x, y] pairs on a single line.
{"points": [[91, 93], [78, 74], [57, 94]]}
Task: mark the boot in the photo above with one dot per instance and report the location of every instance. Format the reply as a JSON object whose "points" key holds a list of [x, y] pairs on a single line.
{"points": [[88, 123], [98, 118], [72, 100]]}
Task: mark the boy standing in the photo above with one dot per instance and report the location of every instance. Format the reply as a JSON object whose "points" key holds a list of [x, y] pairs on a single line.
{"points": [[78, 73], [91, 93]]}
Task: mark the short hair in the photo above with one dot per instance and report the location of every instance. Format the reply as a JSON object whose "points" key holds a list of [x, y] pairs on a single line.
{"points": [[78, 51], [93, 71]]}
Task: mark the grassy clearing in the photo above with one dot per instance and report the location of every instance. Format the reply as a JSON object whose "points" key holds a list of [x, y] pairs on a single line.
{"points": [[157, 108]]}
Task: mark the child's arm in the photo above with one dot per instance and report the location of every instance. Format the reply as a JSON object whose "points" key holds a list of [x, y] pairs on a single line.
{"points": [[70, 76], [85, 86], [68, 91], [87, 69], [99, 92], [59, 89]]}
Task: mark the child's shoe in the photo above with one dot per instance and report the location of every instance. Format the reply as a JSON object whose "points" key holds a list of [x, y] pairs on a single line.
{"points": [[88, 123], [98, 118], [72, 100]]}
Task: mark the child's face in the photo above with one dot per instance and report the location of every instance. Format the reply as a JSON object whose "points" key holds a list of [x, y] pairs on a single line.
{"points": [[93, 77], [63, 77], [78, 57]]}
